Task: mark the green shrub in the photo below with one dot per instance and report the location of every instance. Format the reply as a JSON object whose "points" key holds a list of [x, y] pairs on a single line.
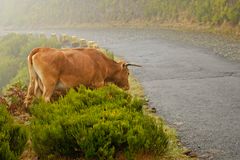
{"points": [[14, 49], [13, 98], [8, 68], [19, 45], [95, 124], [11, 44], [13, 137], [39, 42], [233, 13], [21, 76]]}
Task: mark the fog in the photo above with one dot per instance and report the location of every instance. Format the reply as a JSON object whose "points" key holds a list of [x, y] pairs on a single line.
{"points": [[45, 13], [75, 13]]}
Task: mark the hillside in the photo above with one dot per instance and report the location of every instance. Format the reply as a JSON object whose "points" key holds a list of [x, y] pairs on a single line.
{"points": [[72, 13]]}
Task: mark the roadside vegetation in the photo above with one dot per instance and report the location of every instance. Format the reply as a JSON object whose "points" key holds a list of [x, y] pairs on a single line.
{"points": [[14, 49], [13, 136], [107, 123], [96, 124]]}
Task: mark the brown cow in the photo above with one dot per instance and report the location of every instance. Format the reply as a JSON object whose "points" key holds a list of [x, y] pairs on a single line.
{"points": [[51, 69]]}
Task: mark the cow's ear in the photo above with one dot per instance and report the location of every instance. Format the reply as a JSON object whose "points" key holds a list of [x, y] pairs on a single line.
{"points": [[123, 64]]}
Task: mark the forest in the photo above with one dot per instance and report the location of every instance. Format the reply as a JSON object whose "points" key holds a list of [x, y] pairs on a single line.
{"points": [[68, 13]]}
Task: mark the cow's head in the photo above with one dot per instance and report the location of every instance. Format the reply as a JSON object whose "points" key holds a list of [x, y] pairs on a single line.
{"points": [[121, 77]]}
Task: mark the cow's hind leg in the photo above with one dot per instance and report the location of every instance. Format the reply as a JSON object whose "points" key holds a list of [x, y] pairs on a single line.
{"points": [[32, 76], [48, 88], [30, 92]]}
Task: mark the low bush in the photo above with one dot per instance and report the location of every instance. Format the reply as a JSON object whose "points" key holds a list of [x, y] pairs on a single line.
{"points": [[13, 137], [13, 98], [95, 124]]}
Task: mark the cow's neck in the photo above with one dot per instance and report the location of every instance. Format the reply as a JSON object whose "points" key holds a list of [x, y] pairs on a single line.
{"points": [[113, 69]]}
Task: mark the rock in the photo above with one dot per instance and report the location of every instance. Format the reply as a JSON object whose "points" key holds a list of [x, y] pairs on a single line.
{"points": [[83, 43], [190, 153], [153, 110], [178, 123], [75, 45]]}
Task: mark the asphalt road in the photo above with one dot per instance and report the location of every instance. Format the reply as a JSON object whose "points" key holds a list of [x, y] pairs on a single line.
{"points": [[193, 89]]}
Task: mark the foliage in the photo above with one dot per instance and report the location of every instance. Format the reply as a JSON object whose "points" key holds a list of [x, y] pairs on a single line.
{"points": [[14, 49], [13, 137], [108, 53], [95, 124], [20, 77], [36, 41], [12, 43], [13, 98], [72, 13], [8, 69], [19, 45]]}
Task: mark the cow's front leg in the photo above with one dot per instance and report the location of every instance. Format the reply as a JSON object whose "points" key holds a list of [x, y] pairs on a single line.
{"points": [[47, 93]]}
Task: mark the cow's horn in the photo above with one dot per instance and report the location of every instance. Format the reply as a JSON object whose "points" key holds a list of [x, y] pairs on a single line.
{"points": [[130, 64]]}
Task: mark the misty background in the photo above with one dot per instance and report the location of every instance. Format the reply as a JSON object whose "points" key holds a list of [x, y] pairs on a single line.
{"points": [[71, 13]]}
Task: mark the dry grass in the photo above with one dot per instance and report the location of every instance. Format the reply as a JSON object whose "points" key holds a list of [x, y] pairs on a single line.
{"points": [[28, 153], [135, 87]]}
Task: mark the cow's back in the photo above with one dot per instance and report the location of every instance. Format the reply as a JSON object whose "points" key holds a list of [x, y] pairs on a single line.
{"points": [[83, 66], [48, 61]]}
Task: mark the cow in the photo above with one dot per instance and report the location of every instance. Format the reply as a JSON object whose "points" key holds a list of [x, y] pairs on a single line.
{"points": [[51, 69]]}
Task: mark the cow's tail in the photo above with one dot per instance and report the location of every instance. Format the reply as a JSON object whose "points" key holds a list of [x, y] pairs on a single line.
{"points": [[33, 78]]}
